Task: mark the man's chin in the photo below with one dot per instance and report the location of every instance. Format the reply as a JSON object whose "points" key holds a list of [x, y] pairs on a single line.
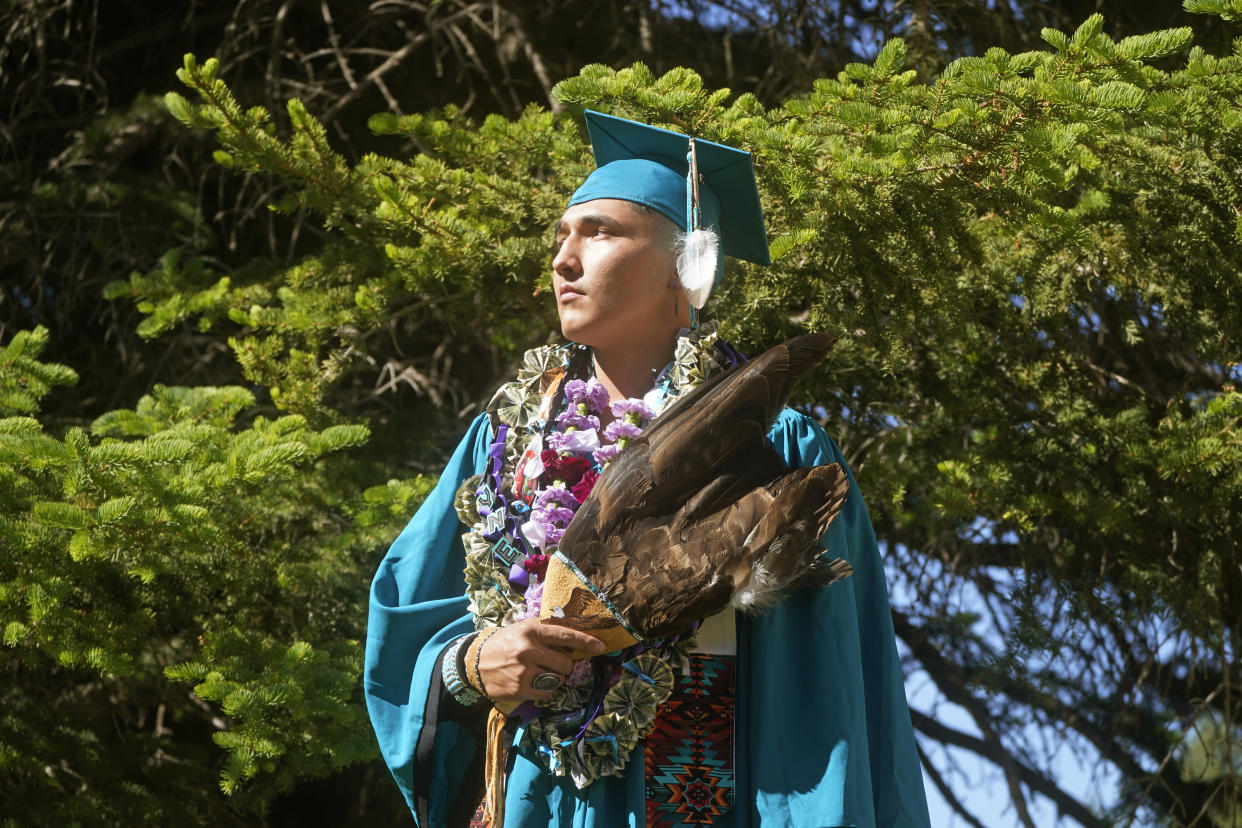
{"points": [[575, 330]]}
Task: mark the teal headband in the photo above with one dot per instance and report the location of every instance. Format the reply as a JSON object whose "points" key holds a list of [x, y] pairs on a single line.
{"points": [[654, 183]]}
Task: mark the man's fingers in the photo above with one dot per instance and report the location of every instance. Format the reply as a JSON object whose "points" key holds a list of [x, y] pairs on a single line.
{"points": [[512, 658], [546, 659], [556, 635]]}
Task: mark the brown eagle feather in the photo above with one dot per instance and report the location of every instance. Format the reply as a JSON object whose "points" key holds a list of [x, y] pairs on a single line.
{"points": [[700, 511]]}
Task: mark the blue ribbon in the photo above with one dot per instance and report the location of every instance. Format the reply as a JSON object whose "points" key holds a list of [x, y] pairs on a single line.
{"points": [[611, 739], [629, 666]]}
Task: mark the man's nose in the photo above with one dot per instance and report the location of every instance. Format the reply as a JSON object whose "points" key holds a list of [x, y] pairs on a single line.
{"points": [[566, 263]]}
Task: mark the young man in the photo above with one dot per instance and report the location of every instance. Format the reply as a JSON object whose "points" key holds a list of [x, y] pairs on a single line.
{"points": [[796, 717]]}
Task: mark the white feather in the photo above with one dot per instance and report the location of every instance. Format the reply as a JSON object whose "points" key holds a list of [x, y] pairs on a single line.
{"points": [[760, 592], [696, 264]]}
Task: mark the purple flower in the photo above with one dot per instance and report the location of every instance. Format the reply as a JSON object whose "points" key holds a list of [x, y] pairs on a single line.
{"points": [[554, 515], [572, 419], [580, 673], [591, 393], [597, 396], [641, 411], [534, 600], [575, 390], [555, 495], [619, 429], [549, 524], [554, 441], [585, 440], [534, 594], [554, 508], [603, 454]]}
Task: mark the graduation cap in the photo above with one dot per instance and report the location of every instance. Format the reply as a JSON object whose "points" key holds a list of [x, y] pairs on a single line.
{"points": [[706, 189]]}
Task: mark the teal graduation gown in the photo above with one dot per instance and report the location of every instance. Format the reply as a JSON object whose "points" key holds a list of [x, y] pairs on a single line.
{"points": [[823, 734]]}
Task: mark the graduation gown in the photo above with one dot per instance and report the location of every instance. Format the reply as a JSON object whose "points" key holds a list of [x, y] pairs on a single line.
{"points": [[823, 734]]}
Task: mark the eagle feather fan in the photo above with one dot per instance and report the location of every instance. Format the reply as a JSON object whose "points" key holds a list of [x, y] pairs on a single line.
{"points": [[700, 512]]}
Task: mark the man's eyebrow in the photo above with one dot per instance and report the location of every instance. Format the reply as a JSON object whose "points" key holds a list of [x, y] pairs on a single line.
{"points": [[601, 219]]}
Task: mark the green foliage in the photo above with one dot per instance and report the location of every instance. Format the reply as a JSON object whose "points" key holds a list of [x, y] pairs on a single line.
{"points": [[250, 143], [1035, 264], [1034, 261], [166, 544], [287, 699], [24, 381], [1228, 9], [169, 297], [415, 244]]}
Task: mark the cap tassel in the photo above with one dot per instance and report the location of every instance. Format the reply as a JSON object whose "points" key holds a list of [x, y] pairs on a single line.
{"points": [[696, 261]]}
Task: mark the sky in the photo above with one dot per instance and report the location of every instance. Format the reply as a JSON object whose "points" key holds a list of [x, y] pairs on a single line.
{"points": [[979, 784]]}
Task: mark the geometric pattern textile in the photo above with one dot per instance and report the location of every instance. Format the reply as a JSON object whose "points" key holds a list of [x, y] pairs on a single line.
{"points": [[480, 820], [689, 753]]}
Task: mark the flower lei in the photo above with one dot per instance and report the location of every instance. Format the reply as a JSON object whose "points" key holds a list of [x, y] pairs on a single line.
{"points": [[540, 470]]}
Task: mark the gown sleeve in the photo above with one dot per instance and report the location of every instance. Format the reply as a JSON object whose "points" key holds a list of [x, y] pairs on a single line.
{"points": [[828, 734], [418, 605]]}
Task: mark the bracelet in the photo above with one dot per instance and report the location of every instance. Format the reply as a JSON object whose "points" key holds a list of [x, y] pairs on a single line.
{"points": [[473, 676], [465, 695]]}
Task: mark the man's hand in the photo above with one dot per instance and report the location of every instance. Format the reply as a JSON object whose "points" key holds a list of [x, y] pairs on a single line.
{"points": [[511, 658]]}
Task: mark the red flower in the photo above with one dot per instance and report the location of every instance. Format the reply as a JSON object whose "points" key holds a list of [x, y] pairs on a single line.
{"points": [[567, 468], [582, 489], [536, 565]]}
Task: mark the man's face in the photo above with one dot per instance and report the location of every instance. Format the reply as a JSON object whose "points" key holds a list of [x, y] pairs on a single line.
{"points": [[614, 274]]}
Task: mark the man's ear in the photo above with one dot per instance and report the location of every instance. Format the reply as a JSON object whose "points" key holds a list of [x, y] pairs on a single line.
{"points": [[674, 275]]}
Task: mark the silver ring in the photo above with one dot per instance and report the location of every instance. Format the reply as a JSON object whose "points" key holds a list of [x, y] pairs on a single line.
{"points": [[545, 682]]}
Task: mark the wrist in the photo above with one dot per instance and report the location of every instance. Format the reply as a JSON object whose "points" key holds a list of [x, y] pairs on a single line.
{"points": [[452, 673], [473, 655]]}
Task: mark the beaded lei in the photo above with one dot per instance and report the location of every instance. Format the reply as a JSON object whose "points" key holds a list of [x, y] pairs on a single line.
{"points": [[540, 469]]}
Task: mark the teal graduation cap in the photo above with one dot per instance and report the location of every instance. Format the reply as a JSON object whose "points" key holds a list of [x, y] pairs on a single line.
{"points": [[718, 208]]}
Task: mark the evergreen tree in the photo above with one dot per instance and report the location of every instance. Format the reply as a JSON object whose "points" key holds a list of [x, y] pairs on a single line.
{"points": [[177, 574], [1033, 260]]}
